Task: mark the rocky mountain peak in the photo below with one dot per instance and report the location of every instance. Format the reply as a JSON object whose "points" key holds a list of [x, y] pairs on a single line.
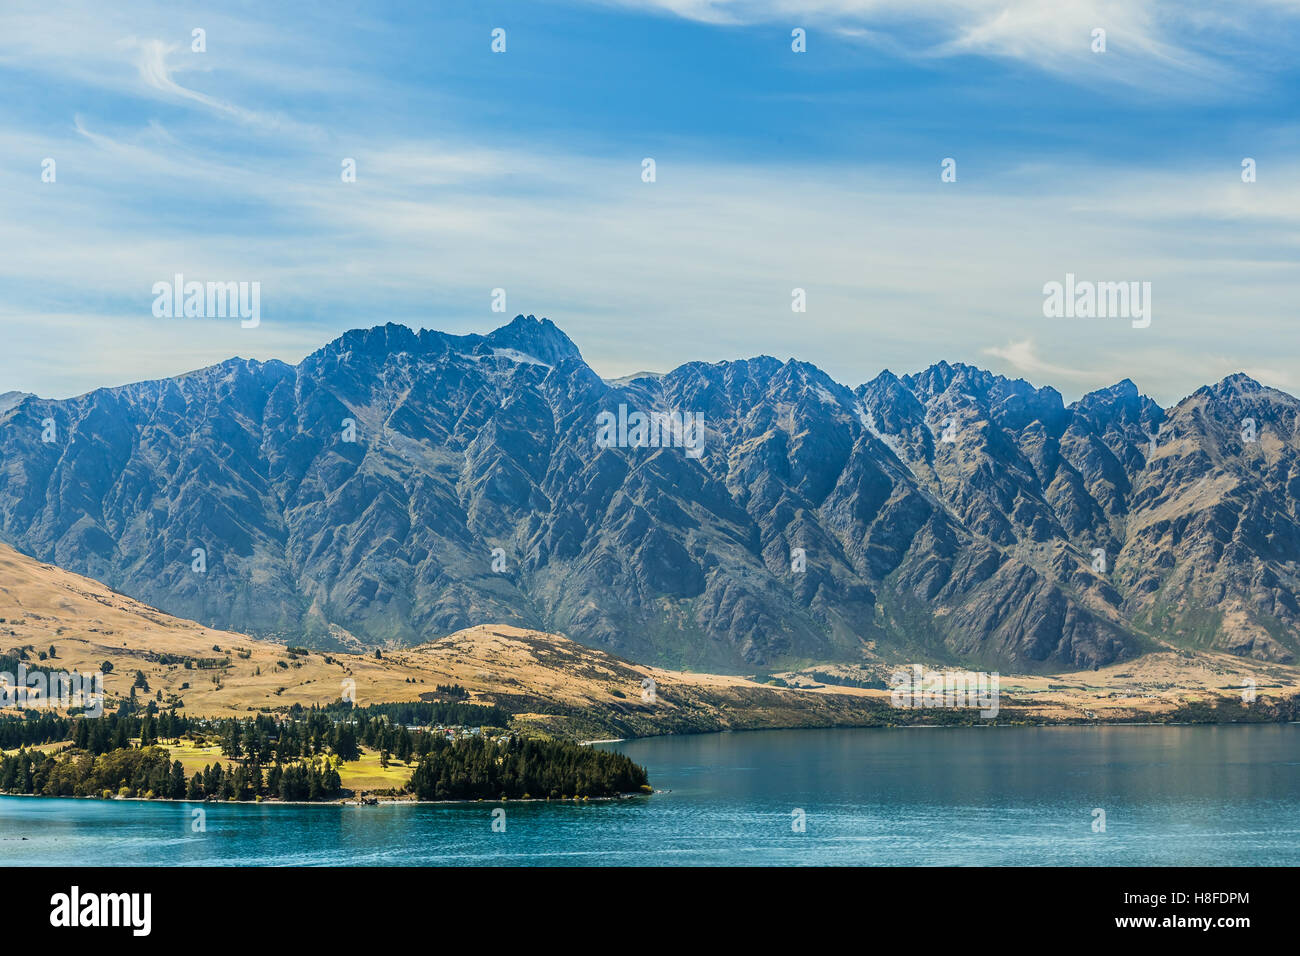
{"points": [[536, 338], [395, 486]]}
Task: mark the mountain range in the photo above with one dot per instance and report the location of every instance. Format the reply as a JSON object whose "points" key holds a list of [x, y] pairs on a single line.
{"points": [[396, 486]]}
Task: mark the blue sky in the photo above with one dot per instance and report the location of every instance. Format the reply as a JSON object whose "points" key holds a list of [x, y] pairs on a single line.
{"points": [[775, 170]]}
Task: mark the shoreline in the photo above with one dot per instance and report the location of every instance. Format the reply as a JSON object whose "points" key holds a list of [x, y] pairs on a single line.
{"points": [[989, 725], [343, 802], [355, 801]]}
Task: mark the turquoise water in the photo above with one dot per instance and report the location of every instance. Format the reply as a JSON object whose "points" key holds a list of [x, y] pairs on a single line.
{"points": [[1172, 795]]}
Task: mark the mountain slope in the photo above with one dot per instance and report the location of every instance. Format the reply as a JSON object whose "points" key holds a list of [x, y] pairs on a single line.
{"points": [[548, 682], [1181, 522], [396, 486]]}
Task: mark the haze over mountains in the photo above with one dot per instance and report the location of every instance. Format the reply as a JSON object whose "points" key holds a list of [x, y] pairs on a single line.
{"points": [[952, 515]]}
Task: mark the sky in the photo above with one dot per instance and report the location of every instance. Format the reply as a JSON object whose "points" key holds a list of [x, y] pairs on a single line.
{"points": [[774, 170]]}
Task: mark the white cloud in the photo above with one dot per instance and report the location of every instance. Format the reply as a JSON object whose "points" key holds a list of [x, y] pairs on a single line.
{"points": [[105, 48], [151, 58], [1023, 359], [1156, 44], [899, 272], [699, 265]]}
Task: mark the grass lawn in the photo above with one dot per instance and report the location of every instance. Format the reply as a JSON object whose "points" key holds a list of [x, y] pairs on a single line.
{"points": [[43, 748], [366, 774], [363, 774], [192, 757]]}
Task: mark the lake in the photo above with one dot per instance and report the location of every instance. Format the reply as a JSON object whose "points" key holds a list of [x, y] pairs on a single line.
{"points": [[1213, 795]]}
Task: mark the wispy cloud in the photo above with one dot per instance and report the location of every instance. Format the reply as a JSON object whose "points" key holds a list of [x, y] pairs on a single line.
{"points": [[1171, 46], [1023, 359], [228, 168], [698, 265], [151, 59]]}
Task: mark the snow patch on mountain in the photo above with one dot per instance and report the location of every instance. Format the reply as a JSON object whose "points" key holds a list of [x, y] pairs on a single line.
{"points": [[515, 355], [869, 423]]}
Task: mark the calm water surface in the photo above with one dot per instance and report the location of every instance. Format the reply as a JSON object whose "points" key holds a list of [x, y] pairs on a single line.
{"points": [[1171, 795]]}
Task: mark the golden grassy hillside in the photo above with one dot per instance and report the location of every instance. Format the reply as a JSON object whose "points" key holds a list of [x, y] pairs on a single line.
{"points": [[553, 683], [564, 687]]}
